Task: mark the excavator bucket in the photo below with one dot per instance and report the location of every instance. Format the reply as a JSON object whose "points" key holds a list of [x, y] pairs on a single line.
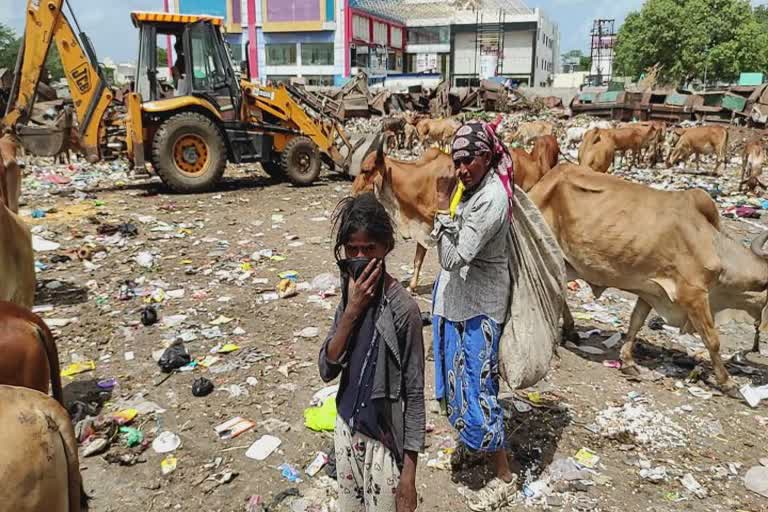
{"points": [[359, 149], [47, 140], [43, 140]]}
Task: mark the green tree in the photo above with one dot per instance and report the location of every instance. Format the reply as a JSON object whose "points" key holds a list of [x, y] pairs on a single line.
{"points": [[9, 46], [162, 57], [691, 38]]}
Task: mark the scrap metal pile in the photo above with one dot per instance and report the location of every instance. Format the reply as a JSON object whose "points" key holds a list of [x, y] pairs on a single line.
{"points": [[355, 99]]}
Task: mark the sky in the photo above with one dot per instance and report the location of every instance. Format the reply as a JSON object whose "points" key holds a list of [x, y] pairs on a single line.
{"points": [[114, 36]]}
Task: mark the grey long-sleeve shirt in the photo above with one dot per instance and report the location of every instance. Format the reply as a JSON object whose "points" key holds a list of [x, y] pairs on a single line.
{"points": [[473, 251]]}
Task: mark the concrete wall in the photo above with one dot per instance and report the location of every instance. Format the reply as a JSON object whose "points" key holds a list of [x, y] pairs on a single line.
{"points": [[566, 93], [518, 52]]}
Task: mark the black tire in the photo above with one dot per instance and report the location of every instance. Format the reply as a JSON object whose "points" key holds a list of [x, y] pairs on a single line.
{"points": [[301, 161], [274, 169], [179, 144]]}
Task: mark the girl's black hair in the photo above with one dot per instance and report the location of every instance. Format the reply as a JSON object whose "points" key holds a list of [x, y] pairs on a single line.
{"points": [[362, 213]]}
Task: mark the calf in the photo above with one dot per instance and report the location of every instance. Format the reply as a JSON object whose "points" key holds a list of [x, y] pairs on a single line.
{"points": [[700, 140], [526, 132], [29, 355], [408, 190], [17, 259], [752, 165], [527, 169], [667, 248], [40, 469], [440, 131]]}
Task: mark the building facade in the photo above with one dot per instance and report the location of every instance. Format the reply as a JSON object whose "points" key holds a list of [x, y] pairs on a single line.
{"points": [[323, 42]]}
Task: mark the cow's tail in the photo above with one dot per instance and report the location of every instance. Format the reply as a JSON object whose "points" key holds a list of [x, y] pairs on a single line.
{"points": [[78, 499], [726, 153], [52, 353]]}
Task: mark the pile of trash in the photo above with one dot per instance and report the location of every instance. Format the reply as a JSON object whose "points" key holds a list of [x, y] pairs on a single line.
{"points": [[635, 423]]}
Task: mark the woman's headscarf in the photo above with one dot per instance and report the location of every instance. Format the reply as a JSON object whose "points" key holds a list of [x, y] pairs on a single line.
{"points": [[475, 138]]}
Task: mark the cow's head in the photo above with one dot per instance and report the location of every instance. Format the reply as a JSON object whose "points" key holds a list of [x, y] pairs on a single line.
{"points": [[372, 168]]}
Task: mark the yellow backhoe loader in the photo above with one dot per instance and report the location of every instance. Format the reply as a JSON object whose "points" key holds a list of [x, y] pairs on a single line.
{"points": [[187, 132]]}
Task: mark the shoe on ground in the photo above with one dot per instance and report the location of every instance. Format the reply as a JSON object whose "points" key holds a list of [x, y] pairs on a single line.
{"points": [[495, 495]]}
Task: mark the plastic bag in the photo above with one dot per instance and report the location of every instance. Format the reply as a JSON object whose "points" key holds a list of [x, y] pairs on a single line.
{"points": [[174, 358], [322, 418], [202, 387], [538, 292]]}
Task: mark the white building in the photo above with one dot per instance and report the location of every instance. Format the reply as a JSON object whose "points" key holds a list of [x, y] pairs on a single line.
{"points": [[473, 40]]}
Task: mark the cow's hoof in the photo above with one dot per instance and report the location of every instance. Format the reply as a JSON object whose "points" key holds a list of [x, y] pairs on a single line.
{"points": [[630, 370], [731, 390], [572, 336]]}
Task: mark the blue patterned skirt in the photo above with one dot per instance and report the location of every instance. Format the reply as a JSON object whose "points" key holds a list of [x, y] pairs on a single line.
{"points": [[467, 379]]}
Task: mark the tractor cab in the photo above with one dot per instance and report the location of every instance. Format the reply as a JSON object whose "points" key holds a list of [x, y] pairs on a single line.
{"points": [[201, 65]]}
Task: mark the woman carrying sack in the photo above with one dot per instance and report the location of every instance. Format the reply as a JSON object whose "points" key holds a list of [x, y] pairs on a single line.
{"points": [[471, 298]]}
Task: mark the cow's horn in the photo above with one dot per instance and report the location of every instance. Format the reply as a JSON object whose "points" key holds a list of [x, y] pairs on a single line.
{"points": [[758, 243]]}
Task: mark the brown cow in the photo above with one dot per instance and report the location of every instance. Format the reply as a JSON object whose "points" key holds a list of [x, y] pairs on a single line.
{"points": [[526, 132], [597, 151], [665, 247], [700, 140], [29, 355], [752, 165], [635, 138], [408, 190], [440, 131], [10, 172], [546, 151], [17, 259], [396, 127], [40, 469], [528, 172]]}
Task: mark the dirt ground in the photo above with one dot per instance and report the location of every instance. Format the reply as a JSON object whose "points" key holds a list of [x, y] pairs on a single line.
{"points": [[203, 245]]}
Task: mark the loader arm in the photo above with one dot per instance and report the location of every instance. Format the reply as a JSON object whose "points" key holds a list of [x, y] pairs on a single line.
{"points": [[91, 96], [279, 102]]}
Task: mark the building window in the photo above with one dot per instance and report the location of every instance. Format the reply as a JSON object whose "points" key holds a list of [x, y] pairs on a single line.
{"points": [[380, 33], [360, 28], [359, 57], [317, 54], [281, 54], [428, 35], [319, 80], [397, 37]]}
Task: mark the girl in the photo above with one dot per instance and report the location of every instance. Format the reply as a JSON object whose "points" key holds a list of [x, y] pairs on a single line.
{"points": [[471, 299], [376, 345]]}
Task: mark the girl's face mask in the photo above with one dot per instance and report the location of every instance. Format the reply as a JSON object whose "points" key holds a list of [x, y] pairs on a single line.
{"points": [[353, 268]]}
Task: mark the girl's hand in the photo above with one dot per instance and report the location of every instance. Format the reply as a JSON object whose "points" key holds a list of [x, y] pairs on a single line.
{"points": [[362, 291]]}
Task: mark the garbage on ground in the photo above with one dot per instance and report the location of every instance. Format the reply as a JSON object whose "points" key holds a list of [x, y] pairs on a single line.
{"points": [[174, 357], [699, 393], [327, 392], [756, 480], [290, 473], [612, 341], [149, 316], [321, 418], [263, 448], [168, 465], [587, 458], [202, 387], [655, 475], [692, 485], [635, 421], [286, 289], [321, 459], [131, 436], [42, 245], [232, 428], [77, 368], [307, 332], [125, 416], [754, 395], [166, 442]]}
